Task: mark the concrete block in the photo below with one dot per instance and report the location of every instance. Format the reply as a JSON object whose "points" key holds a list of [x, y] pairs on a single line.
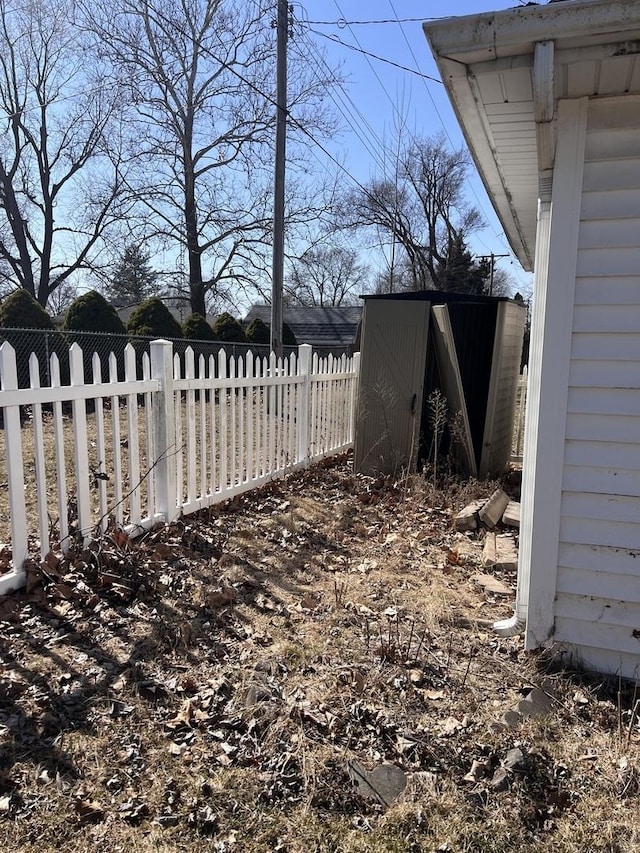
{"points": [[511, 515], [467, 518], [492, 511], [492, 585], [500, 551]]}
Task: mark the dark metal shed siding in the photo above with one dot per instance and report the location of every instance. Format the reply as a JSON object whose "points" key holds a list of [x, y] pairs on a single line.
{"points": [[474, 328], [473, 324]]}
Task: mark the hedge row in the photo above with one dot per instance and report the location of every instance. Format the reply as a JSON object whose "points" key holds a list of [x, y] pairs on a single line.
{"points": [[92, 313]]}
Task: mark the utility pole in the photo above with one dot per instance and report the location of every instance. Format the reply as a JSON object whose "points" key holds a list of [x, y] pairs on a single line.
{"points": [[492, 257], [277, 280]]}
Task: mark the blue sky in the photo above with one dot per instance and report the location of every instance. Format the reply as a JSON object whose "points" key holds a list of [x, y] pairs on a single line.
{"points": [[377, 93]]}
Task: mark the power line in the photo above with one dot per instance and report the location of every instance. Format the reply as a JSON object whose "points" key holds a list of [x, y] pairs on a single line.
{"points": [[335, 39], [342, 23], [364, 127], [290, 117], [411, 51], [375, 73]]}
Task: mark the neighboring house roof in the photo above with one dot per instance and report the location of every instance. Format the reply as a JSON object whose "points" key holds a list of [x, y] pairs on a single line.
{"points": [[332, 327], [505, 71]]}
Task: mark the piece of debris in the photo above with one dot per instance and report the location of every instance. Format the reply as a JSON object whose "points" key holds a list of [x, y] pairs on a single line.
{"points": [[500, 551], [515, 760], [479, 770], [491, 584], [500, 780], [492, 511], [511, 719], [383, 784], [536, 704], [511, 515], [467, 518]]}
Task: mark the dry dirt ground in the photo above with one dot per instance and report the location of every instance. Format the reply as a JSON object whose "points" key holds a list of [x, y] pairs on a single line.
{"points": [[307, 668]]}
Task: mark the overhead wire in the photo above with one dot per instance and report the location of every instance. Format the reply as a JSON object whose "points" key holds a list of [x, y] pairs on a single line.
{"points": [[360, 126], [335, 39], [384, 89], [341, 22], [290, 117], [437, 112]]}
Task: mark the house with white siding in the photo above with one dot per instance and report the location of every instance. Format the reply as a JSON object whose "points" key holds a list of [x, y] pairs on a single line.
{"points": [[548, 98]]}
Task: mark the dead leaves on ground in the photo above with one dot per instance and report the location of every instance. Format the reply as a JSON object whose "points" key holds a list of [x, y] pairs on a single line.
{"points": [[247, 659]]}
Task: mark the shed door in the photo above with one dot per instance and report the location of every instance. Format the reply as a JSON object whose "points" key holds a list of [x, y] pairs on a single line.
{"points": [[497, 440], [392, 362]]}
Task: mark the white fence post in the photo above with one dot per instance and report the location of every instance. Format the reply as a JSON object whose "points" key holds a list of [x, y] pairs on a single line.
{"points": [[38, 449], [15, 473], [305, 353], [354, 396], [80, 445], [164, 436]]}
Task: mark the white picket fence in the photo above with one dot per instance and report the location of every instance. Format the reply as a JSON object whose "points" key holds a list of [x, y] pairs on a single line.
{"points": [[172, 440], [519, 417]]}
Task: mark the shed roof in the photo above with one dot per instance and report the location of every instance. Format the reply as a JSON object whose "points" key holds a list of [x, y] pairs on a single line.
{"points": [[505, 71], [332, 327]]}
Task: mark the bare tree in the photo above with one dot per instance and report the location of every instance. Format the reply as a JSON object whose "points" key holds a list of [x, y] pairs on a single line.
{"points": [[327, 275], [61, 298], [423, 208], [60, 173], [200, 74]]}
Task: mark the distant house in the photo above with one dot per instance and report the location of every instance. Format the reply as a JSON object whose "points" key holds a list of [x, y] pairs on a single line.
{"points": [[548, 97], [330, 330]]}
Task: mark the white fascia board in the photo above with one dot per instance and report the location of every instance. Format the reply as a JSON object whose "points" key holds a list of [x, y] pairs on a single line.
{"points": [[487, 36], [472, 120]]}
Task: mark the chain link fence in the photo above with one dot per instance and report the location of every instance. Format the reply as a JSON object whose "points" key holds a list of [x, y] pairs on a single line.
{"points": [[44, 343]]}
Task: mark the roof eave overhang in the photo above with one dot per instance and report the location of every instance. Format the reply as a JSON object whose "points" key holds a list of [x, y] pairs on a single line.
{"points": [[473, 122], [463, 46]]}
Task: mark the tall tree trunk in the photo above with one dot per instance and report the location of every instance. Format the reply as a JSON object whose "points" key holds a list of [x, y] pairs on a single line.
{"points": [[194, 253]]}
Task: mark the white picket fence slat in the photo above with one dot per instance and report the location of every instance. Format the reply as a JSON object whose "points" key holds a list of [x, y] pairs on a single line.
{"points": [[177, 439], [519, 419]]}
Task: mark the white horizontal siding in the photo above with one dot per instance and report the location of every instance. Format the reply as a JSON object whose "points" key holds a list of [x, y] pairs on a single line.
{"points": [[608, 481], [606, 262], [596, 584], [605, 347], [594, 373], [620, 428], [602, 453], [608, 233], [623, 562], [612, 174], [597, 607], [620, 290], [606, 143], [613, 116], [606, 318], [624, 664], [583, 634], [609, 204], [613, 401], [601, 507]]}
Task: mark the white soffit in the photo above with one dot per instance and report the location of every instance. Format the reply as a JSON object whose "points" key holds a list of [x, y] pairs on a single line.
{"points": [[486, 64]]}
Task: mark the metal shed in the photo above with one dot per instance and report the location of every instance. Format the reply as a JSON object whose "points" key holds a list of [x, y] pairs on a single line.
{"points": [[413, 344]]}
